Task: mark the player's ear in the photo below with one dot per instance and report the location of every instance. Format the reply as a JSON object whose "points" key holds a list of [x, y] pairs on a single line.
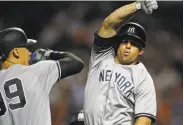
{"points": [[16, 53], [141, 51]]}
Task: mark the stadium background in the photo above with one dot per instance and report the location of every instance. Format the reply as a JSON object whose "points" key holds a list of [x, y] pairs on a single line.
{"points": [[69, 26]]}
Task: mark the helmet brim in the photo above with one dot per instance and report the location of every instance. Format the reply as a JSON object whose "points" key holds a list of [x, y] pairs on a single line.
{"points": [[131, 37], [31, 41]]}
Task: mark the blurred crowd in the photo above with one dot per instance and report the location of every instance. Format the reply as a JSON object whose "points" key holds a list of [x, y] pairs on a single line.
{"points": [[70, 27]]}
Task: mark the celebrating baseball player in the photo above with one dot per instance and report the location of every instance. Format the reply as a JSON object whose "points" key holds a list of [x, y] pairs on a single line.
{"points": [[119, 89], [24, 88]]}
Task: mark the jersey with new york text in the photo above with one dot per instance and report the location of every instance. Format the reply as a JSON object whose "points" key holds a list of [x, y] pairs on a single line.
{"points": [[24, 93], [117, 94]]}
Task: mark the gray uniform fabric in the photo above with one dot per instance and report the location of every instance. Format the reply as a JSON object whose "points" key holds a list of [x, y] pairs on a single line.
{"points": [[116, 94], [25, 91]]}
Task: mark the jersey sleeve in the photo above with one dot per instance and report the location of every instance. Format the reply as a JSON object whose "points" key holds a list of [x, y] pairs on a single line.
{"points": [[48, 72], [145, 99], [102, 49]]}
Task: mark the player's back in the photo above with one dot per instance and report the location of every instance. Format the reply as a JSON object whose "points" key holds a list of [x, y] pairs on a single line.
{"points": [[23, 97]]}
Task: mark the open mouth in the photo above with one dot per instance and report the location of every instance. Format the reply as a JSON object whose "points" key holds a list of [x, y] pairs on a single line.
{"points": [[126, 53]]}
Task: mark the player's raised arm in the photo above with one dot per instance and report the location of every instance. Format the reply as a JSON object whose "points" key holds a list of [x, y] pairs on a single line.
{"points": [[69, 63], [106, 37], [122, 14], [113, 21]]}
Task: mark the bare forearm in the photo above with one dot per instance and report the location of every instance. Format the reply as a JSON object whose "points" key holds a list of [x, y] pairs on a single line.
{"points": [[119, 15], [113, 21], [143, 121]]}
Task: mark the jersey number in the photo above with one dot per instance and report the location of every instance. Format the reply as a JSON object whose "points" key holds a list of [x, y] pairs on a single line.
{"points": [[18, 93]]}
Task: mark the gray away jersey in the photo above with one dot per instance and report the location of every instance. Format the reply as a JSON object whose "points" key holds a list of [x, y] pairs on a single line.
{"points": [[24, 93], [117, 94]]}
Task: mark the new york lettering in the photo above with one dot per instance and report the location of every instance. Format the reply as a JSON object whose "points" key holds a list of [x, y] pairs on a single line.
{"points": [[125, 86]]}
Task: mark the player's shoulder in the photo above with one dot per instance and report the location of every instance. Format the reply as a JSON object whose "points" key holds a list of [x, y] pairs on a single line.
{"points": [[141, 67], [43, 63], [106, 63], [17, 67], [15, 70], [144, 73], [41, 66]]}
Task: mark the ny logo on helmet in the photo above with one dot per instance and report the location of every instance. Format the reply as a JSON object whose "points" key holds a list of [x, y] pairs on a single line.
{"points": [[131, 30]]}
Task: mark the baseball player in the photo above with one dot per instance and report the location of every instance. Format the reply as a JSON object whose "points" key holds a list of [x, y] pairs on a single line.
{"points": [[24, 89], [119, 89]]}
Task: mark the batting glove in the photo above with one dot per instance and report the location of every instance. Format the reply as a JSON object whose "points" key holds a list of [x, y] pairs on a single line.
{"points": [[147, 6], [39, 55]]}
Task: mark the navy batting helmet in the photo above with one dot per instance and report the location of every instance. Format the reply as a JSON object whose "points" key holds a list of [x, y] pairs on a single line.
{"points": [[132, 31], [11, 38]]}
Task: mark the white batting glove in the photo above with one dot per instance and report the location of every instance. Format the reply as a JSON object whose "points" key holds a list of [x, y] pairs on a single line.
{"points": [[147, 6], [81, 116]]}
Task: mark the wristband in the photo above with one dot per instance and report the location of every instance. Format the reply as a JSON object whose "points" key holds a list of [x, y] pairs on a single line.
{"points": [[138, 5]]}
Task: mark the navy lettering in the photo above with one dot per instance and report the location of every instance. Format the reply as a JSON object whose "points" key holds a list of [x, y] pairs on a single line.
{"points": [[108, 75], [117, 76], [129, 92], [126, 85], [101, 77], [120, 82]]}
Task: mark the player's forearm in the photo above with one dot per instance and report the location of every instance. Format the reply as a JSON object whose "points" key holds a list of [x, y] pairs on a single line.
{"points": [[120, 15], [143, 121], [115, 19], [69, 63]]}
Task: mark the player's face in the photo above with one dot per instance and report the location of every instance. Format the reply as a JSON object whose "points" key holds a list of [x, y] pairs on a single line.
{"points": [[24, 55], [128, 52]]}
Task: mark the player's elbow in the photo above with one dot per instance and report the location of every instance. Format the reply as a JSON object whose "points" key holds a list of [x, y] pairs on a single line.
{"points": [[79, 65], [71, 65], [107, 23]]}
